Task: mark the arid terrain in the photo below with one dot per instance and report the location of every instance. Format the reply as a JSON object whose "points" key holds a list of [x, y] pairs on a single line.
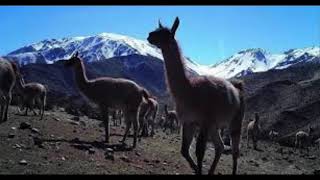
{"points": [[63, 144]]}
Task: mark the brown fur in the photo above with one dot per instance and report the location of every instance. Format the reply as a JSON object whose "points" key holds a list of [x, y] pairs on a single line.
{"points": [[171, 119], [317, 143], [8, 71], [117, 117], [107, 92], [148, 113], [303, 139], [207, 102], [32, 93], [253, 131], [273, 135], [152, 114]]}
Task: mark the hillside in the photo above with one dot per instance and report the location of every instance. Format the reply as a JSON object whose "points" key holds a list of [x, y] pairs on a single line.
{"points": [[59, 145]]}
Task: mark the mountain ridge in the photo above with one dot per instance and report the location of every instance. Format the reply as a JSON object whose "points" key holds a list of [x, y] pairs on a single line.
{"points": [[107, 45]]}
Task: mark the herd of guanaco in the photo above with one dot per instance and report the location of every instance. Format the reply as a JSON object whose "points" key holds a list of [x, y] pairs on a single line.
{"points": [[203, 104]]}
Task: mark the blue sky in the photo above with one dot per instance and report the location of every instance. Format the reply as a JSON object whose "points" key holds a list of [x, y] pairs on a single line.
{"points": [[207, 34]]}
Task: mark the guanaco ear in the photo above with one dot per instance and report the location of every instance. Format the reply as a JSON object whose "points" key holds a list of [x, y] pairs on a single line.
{"points": [[175, 26], [310, 128], [160, 25], [15, 67], [75, 54]]}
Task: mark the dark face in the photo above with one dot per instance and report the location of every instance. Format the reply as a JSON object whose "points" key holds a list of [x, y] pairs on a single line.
{"points": [[72, 61], [21, 79], [163, 35], [160, 36], [311, 130]]}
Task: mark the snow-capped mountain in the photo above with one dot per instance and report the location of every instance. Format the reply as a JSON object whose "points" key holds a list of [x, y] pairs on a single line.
{"points": [[91, 48], [258, 60], [107, 45]]}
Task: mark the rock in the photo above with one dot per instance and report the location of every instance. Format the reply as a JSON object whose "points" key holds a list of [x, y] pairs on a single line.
{"points": [[11, 135], [83, 123], [156, 161], [110, 150], [138, 154], [82, 147], [312, 157], [74, 131], [146, 160], [254, 163], [13, 128], [75, 118], [227, 150], [280, 150], [25, 125], [38, 142], [285, 158], [35, 130], [91, 151], [75, 140], [60, 138], [316, 171], [264, 159], [109, 154], [125, 159], [57, 119], [290, 161], [23, 162], [63, 158], [74, 123], [101, 124], [16, 146]]}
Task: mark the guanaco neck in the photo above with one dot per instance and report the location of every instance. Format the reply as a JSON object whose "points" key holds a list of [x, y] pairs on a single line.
{"points": [[80, 76], [21, 85], [176, 76], [166, 110]]}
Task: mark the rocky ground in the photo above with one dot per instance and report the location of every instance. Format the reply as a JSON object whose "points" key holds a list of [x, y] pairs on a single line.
{"points": [[65, 144]]}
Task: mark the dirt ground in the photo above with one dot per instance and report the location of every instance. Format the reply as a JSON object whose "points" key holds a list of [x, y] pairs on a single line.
{"points": [[60, 145]]}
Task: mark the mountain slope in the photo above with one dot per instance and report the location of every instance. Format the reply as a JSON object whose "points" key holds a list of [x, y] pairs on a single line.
{"points": [[107, 45], [258, 60], [91, 48]]}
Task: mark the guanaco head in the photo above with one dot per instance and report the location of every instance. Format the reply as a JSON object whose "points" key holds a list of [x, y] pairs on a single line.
{"points": [[311, 130], [73, 60], [19, 82], [166, 109], [163, 35], [256, 116], [15, 68], [20, 78]]}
